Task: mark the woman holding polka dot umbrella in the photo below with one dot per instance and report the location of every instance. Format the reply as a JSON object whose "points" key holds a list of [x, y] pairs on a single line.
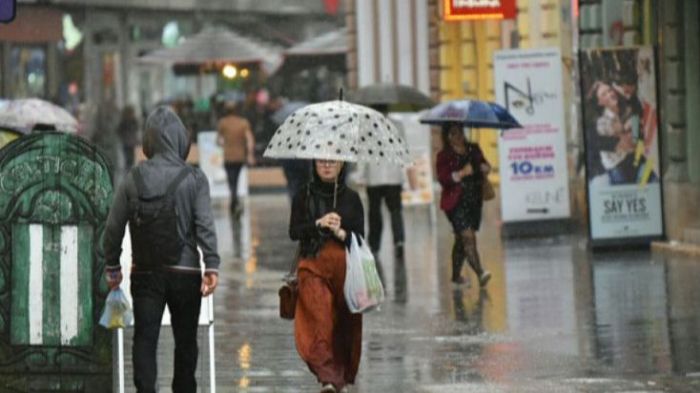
{"points": [[324, 215]]}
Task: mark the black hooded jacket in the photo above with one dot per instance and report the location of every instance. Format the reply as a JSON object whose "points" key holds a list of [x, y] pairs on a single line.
{"points": [[314, 201], [166, 144]]}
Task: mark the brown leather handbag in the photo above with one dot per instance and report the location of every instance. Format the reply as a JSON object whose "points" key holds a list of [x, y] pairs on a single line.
{"points": [[487, 190], [288, 293], [289, 290]]}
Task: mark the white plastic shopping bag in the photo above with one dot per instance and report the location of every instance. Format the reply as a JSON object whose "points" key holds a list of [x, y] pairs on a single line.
{"points": [[117, 312], [363, 288]]}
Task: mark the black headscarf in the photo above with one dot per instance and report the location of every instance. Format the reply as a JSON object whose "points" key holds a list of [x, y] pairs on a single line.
{"points": [[314, 201]]}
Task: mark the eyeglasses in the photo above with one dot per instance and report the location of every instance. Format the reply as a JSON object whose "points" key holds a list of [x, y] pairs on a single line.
{"points": [[327, 162]]}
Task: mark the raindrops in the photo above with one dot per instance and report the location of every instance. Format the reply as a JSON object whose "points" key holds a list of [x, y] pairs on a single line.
{"points": [[334, 128], [330, 143], [342, 136], [379, 143], [303, 147], [369, 151], [369, 134], [337, 116], [318, 146], [308, 132], [338, 151], [381, 153], [363, 139], [366, 116], [391, 140], [290, 146], [375, 125]]}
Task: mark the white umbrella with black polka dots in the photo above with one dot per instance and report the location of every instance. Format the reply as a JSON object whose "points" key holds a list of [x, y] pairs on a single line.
{"points": [[338, 130]]}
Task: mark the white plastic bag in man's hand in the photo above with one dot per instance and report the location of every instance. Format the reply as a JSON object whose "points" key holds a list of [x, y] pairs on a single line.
{"points": [[363, 288], [117, 312]]}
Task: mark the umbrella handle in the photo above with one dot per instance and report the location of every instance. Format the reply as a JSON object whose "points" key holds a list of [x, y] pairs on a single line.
{"points": [[340, 94], [335, 193]]}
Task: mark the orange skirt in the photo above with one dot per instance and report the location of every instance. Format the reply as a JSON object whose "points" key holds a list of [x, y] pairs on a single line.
{"points": [[328, 337]]}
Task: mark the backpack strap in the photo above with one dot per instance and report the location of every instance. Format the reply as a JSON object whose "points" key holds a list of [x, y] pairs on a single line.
{"points": [[178, 179], [141, 185], [138, 182]]}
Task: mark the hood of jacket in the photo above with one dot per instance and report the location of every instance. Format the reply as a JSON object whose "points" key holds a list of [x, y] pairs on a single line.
{"points": [[166, 136]]}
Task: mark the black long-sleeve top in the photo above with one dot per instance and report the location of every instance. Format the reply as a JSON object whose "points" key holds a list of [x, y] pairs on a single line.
{"points": [[313, 202]]}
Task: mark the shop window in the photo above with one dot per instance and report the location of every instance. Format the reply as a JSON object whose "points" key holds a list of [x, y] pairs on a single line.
{"points": [[28, 71]]}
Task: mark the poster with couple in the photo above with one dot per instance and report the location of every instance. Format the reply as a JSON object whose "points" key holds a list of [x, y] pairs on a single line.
{"points": [[620, 119]]}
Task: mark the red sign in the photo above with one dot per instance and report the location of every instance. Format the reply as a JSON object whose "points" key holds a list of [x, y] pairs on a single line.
{"points": [[479, 9]]}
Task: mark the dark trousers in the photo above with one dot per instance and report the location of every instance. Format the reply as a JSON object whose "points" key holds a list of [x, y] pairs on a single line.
{"points": [[151, 292], [233, 170], [128, 157], [392, 197]]}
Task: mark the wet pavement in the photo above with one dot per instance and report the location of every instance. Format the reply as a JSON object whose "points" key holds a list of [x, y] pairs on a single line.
{"points": [[554, 318]]}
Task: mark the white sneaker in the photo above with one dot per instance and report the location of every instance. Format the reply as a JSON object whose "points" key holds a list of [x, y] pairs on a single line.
{"points": [[328, 388]]}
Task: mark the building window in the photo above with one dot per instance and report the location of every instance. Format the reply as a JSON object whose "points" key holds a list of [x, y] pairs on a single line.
{"points": [[28, 71]]}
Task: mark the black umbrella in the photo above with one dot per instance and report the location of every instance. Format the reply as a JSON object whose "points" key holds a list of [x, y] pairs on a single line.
{"points": [[391, 94]]}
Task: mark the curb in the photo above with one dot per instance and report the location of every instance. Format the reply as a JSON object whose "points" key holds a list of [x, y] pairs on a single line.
{"points": [[677, 247]]}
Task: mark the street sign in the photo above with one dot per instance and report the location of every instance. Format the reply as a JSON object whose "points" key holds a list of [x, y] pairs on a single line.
{"points": [[8, 10], [457, 10], [55, 193]]}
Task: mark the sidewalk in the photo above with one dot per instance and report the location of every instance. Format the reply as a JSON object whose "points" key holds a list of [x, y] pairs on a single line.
{"points": [[554, 317]]}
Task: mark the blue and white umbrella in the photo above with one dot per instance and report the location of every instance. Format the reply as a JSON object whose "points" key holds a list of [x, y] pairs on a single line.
{"points": [[471, 113]]}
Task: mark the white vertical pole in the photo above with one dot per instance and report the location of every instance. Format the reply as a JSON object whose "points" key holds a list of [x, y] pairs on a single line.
{"points": [[120, 346], [212, 363]]}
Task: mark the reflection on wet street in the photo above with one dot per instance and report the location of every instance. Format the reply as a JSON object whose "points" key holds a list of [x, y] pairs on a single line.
{"points": [[554, 318]]}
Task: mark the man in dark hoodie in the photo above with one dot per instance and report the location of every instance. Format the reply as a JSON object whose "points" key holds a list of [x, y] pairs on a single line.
{"points": [[180, 285]]}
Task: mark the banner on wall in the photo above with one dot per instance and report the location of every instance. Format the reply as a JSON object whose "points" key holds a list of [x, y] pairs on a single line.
{"points": [[622, 145], [418, 178], [533, 164]]}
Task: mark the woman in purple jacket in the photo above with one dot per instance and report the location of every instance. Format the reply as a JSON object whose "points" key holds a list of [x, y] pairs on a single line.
{"points": [[461, 170]]}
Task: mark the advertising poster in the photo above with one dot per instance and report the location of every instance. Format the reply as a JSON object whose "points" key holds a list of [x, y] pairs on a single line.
{"points": [[533, 165], [418, 179], [622, 145]]}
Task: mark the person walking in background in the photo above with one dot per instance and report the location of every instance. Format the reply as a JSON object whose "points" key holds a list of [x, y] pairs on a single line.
{"points": [[297, 174], [236, 136], [128, 131], [384, 182], [168, 208], [461, 171], [328, 337]]}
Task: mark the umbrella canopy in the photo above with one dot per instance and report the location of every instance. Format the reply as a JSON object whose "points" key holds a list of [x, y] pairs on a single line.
{"points": [[391, 94], [332, 43], [471, 113], [24, 114], [218, 45], [287, 109], [338, 130]]}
